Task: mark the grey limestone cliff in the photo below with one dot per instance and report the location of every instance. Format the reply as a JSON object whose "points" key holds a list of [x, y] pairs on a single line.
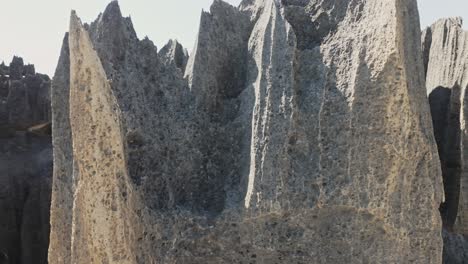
{"points": [[299, 132], [445, 51], [25, 163]]}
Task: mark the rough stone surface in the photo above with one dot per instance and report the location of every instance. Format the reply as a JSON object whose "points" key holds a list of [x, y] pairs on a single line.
{"points": [[63, 185], [298, 133], [174, 52], [25, 164], [445, 46], [455, 248]]}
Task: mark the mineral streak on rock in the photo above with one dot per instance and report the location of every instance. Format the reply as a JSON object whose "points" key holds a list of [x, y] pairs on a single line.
{"points": [[299, 132], [25, 163], [445, 48]]}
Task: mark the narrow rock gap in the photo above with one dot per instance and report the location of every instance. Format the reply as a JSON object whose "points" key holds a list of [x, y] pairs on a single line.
{"points": [[445, 110]]}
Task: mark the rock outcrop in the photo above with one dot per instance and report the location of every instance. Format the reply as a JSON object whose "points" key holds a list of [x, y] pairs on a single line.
{"points": [[24, 95], [299, 132], [445, 47], [25, 164]]}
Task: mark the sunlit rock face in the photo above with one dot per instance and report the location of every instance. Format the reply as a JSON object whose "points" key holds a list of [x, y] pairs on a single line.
{"points": [[445, 46], [299, 131], [25, 163]]}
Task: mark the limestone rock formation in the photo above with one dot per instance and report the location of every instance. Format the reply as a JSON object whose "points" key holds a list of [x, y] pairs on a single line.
{"points": [[298, 133], [24, 95], [445, 46], [62, 188], [25, 164], [173, 51]]}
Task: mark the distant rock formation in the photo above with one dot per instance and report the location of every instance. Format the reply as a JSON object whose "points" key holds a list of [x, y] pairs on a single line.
{"points": [[24, 95], [25, 163], [445, 49], [174, 52], [299, 132]]}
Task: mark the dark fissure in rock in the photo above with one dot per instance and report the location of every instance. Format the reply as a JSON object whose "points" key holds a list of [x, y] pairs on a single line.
{"points": [[445, 110]]}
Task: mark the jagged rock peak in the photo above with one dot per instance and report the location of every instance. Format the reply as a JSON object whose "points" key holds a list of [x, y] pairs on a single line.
{"points": [[113, 10], [17, 69], [174, 52], [111, 22], [113, 15]]}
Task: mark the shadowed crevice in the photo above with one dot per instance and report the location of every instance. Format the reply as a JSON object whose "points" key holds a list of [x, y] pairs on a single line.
{"points": [[445, 110]]}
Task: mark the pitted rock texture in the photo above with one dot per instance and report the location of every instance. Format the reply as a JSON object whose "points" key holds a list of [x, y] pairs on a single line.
{"points": [[445, 46], [25, 164], [298, 133]]}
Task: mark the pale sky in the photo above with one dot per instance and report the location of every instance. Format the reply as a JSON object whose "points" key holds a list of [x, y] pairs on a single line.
{"points": [[33, 29]]}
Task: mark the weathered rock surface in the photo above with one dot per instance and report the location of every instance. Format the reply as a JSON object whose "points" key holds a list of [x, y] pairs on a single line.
{"points": [[445, 47], [62, 188], [174, 52], [25, 164], [299, 132], [455, 248]]}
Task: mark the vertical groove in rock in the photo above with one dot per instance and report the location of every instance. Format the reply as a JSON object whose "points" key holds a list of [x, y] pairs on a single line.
{"points": [[273, 54], [216, 74], [225, 27]]}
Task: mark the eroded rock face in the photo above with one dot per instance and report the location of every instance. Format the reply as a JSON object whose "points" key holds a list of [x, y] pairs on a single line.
{"points": [[299, 132], [25, 164], [63, 185], [445, 45]]}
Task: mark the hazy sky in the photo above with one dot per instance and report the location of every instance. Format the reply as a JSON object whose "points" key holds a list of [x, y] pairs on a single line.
{"points": [[34, 29]]}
